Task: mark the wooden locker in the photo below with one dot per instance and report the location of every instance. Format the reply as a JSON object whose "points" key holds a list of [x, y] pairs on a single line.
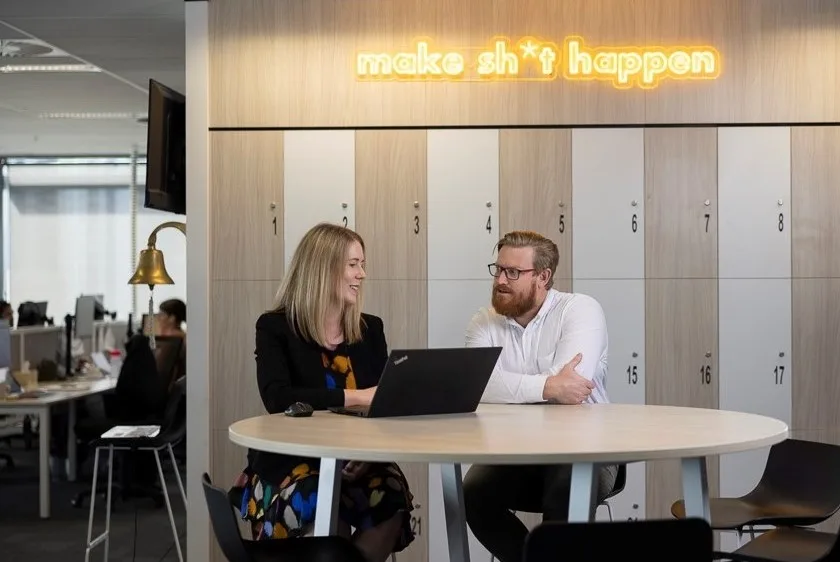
{"points": [[681, 203], [535, 188], [755, 366], [681, 367], [608, 182], [246, 169], [463, 200], [623, 301], [815, 169], [754, 202], [391, 202], [319, 182], [233, 370], [816, 355]]}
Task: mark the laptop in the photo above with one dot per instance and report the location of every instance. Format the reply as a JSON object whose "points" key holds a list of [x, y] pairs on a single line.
{"points": [[422, 382]]}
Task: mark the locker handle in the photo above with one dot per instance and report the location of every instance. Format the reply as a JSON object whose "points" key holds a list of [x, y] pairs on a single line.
{"points": [[781, 354], [708, 354], [635, 354]]}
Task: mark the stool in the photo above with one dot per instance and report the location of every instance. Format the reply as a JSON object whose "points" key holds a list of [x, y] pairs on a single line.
{"points": [[153, 446]]}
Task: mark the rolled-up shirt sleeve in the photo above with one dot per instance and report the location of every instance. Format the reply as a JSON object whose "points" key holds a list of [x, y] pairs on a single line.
{"points": [[583, 330], [504, 387]]}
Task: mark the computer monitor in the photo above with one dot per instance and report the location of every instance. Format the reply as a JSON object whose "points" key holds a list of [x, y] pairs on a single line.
{"points": [[32, 313], [85, 307], [166, 152]]}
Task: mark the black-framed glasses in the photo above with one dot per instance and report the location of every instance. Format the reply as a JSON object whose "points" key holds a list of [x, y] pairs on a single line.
{"points": [[510, 272]]}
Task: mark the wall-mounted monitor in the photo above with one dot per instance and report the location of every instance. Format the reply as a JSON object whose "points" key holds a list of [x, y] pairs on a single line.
{"points": [[166, 153]]}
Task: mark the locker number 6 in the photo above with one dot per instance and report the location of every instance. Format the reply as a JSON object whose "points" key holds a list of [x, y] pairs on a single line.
{"points": [[634, 224]]}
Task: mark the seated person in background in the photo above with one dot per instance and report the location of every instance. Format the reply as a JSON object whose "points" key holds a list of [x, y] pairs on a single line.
{"points": [[317, 347], [169, 323], [554, 350], [7, 313]]}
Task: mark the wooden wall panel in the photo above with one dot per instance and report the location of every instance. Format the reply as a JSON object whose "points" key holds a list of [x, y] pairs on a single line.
{"points": [[816, 354], [291, 63], [535, 187], [391, 202], [681, 203], [246, 175], [815, 190]]}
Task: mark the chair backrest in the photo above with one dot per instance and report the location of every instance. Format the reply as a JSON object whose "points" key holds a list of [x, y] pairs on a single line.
{"points": [[175, 414], [651, 540], [224, 522], [620, 481], [805, 472]]}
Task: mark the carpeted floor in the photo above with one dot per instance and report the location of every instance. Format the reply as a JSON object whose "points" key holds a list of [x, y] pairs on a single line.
{"points": [[25, 537]]}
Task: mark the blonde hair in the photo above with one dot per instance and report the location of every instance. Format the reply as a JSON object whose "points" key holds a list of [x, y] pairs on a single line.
{"points": [[310, 287], [546, 254]]}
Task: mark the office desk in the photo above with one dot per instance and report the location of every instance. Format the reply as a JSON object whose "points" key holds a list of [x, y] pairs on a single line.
{"points": [[584, 436], [59, 393]]}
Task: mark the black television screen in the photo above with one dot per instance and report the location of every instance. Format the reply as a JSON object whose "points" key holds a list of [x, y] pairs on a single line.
{"points": [[166, 155]]}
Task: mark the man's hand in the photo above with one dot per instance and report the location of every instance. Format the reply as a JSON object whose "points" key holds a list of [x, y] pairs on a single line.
{"points": [[568, 387], [354, 469]]}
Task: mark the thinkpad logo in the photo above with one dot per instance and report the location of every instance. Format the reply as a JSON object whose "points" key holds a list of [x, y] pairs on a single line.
{"points": [[400, 360]]}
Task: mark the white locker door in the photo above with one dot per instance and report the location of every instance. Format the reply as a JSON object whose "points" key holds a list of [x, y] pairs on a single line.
{"points": [[608, 188], [754, 194], [463, 219], [623, 302], [755, 366], [319, 169], [463, 201]]}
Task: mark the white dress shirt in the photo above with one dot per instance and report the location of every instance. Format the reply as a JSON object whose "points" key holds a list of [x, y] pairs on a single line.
{"points": [[566, 324]]}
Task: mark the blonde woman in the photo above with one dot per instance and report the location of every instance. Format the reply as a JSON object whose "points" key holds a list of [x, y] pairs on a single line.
{"points": [[317, 347]]}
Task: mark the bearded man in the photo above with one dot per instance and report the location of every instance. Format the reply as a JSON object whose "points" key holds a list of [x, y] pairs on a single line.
{"points": [[554, 351]]}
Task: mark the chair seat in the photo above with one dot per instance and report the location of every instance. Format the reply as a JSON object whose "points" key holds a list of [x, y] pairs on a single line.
{"points": [[788, 545], [311, 549], [735, 513]]}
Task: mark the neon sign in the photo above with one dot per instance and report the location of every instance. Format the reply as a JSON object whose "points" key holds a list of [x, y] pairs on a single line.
{"points": [[532, 59]]}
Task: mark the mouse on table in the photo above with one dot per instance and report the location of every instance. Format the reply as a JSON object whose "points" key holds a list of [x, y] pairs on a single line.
{"points": [[299, 410]]}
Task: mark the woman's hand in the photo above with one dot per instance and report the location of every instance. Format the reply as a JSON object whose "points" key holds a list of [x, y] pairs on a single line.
{"points": [[354, 469], [359, 397]]}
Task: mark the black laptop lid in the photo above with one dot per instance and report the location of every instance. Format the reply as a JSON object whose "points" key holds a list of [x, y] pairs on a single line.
{"points": [[433, 381]]}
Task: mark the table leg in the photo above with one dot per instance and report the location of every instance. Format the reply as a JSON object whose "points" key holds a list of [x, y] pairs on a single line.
{"points": [[584, 489], [696, 488], [329, 491], [44, 462], [453, 509], [71, 441]]}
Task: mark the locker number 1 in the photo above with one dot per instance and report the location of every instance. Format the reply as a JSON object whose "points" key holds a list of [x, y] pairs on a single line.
{"points": [[274, 222], [706, 374], [632, 374], [779, 371]]}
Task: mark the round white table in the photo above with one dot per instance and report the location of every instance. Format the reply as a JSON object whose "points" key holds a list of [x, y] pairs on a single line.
{"points": [[584, 436]]}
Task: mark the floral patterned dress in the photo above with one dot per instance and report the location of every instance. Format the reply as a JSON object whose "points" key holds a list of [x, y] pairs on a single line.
{"points": [[287, 509]]}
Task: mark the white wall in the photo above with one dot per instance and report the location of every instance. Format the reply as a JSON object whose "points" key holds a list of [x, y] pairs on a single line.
{"points": [[70, 234]]}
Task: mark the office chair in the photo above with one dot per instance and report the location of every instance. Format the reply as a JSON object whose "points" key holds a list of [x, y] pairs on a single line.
{"points": [[787, 544], [800, 487], [688, 540], [237, 549]]}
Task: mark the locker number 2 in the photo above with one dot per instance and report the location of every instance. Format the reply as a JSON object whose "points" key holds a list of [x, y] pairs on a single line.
{"points": [[632, 374], [779, 371], [344, 221], [706, 374]]}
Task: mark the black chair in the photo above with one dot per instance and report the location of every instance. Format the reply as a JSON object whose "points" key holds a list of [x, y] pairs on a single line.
{"points": [[237, 549], [787, 544], [686, 540], [173, 429], [800, 486]]}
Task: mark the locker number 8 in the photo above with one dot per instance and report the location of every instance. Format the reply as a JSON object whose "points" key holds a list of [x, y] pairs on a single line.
{"points": [[781, 222], [706, 374]]}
